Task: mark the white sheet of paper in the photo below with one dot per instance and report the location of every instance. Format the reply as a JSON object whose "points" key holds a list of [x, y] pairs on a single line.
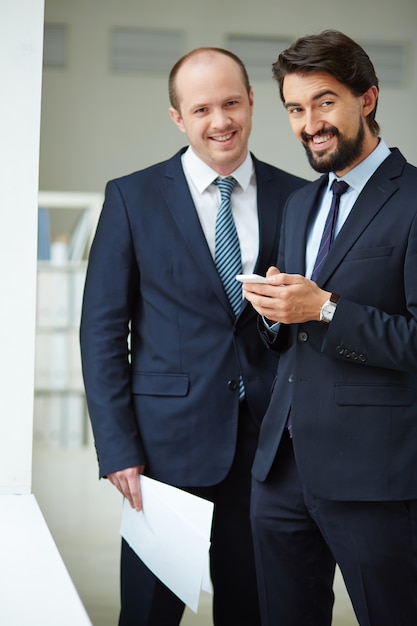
{"points": [[172, 537]]}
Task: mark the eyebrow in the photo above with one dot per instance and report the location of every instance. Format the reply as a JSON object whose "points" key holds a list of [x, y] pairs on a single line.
{"points": [[237, 96], [318, 96]]}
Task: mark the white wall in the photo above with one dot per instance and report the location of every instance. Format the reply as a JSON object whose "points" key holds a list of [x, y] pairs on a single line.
{"points": [[34, 583], [97, 125], [20, 69]]}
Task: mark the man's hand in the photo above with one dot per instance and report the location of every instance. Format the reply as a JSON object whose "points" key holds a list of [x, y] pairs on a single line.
{"points": [[127, 482], [287, 298]]}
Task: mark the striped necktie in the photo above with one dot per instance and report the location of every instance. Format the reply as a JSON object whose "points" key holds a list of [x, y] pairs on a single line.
{"points": [[338, 188], [227, 249]]}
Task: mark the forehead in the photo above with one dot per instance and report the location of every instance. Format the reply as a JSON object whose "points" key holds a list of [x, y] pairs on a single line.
{"points": [[208, 74], [305, 87]]}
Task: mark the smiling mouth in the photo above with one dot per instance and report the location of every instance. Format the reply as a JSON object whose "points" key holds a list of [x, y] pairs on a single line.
{"points": [[223, 138], [319, 139]]}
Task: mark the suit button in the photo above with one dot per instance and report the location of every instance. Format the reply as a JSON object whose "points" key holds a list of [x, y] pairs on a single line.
{"points": [[291, 378], [347, 353], [302, 336], [340, 350], [362, 358], [232, 385]]}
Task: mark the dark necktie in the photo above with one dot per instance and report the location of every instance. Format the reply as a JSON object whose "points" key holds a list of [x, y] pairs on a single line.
{"points": [[338, 188], [227, 249]]}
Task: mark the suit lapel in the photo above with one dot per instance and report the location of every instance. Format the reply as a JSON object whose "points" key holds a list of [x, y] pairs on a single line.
{"points": [[303, 212], [177, 196], [266, 198], [373, 197], [267, 220]]}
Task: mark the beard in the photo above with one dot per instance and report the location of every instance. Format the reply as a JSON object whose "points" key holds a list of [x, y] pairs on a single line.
{"points": [[346, 153]]}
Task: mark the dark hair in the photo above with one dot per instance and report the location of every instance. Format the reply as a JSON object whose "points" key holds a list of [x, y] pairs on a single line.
{"points": [[172, 87], [334, 53]]}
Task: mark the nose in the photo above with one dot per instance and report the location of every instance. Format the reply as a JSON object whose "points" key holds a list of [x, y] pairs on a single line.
{"points": [[312, 122], [220, 118]]}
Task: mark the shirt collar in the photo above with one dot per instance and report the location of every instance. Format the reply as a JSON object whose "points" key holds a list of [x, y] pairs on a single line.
{"points": [[359, 175], [202, 175]]}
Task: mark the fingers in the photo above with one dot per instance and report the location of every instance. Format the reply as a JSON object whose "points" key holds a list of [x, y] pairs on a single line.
{"points": [[272, 271], [268, 290], [128, 483], [286, 298], [267, 302]]}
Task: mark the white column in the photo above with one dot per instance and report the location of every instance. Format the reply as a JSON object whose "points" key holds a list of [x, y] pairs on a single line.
{"points": [[35, 589], [21, 36]]}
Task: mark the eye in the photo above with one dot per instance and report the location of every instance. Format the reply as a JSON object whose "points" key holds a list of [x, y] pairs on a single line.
{"points": [[294, 110], [326, 104], [200, 111], [231, 103]]}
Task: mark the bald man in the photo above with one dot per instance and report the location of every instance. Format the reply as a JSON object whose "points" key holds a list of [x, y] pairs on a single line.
{"points": [[184, 406]]}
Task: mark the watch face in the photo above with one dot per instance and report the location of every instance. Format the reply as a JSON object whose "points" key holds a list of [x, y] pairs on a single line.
{"points": [[327, 312]]}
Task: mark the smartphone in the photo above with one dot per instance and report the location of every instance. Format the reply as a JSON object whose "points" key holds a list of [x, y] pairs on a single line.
{"points": [[251, 278]]}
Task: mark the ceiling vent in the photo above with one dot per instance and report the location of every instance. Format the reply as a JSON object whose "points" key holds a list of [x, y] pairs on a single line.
{"points": [[137, 50], [257, 53]]}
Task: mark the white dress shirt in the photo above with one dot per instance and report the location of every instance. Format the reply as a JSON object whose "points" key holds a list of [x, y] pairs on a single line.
{"points": [[356, 179], [206, 197]]}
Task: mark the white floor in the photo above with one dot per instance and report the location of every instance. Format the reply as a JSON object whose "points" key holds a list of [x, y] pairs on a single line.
{"points": [[83, 515]]}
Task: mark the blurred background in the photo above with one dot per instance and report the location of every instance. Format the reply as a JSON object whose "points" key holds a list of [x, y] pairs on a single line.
{"points": [[105, 114], [104, 106]]}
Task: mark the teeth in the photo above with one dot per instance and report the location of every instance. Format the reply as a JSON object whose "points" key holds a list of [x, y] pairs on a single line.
{"points": [[223, 137], [321, 138]]}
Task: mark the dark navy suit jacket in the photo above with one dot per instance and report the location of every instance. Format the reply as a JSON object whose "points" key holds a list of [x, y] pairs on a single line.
{"points": [[170, 400], [352, 384]]}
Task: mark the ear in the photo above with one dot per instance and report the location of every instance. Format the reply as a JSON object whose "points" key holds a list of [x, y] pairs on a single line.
{"points": [[369, 100], [177, 119], [251, 99]]}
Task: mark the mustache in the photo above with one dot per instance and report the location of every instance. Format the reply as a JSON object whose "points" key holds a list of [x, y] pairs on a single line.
{"points": [[324, 131]]}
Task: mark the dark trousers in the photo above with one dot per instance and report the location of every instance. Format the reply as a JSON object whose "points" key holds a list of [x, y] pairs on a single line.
{"points": [[145, 601], [298, 538]]}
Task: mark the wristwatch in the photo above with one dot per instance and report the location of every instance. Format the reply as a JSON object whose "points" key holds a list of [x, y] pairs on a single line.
{"points": [[328, 308]]}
